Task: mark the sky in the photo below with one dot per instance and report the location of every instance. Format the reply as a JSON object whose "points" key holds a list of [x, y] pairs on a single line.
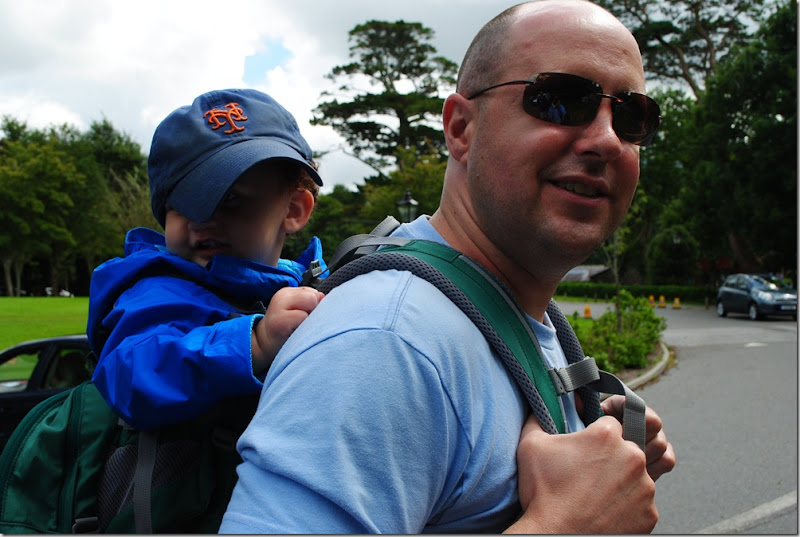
{"points": [[132, 62]]}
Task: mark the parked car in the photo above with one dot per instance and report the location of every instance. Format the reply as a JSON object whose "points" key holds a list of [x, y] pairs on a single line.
{"points": [[33, 371], [756, 296]]}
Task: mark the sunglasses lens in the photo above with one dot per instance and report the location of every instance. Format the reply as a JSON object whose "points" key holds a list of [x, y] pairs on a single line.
{"points": [[636, 118], [562, 99], [572, 100]]}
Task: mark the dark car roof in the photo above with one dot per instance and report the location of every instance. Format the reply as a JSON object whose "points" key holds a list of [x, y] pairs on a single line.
{"points": [[70, 338]]}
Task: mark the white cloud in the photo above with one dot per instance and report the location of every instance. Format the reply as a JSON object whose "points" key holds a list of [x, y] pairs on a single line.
{"points": [[77, 61]]}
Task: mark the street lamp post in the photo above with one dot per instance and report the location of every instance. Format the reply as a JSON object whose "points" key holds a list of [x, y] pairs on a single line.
{"points": [[407, 207]]}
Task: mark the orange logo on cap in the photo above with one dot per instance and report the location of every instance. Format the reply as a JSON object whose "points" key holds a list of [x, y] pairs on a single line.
{"points": [[219, 118]]}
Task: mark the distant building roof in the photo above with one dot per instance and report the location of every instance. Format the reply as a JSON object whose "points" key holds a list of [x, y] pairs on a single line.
{"points": [[584, 273]]}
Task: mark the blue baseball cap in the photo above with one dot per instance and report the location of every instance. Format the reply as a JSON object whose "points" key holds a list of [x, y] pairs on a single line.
{"points": [[199, 151]]}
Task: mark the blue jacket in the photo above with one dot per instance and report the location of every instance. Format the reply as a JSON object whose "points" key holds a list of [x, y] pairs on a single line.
{"points": [[173, 338]]}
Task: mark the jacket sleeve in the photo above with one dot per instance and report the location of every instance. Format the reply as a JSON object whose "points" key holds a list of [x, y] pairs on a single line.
{"points": [[174, 350]]}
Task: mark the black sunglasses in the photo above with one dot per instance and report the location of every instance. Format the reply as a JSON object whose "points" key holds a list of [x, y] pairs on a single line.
{"points": [[572, 100]]}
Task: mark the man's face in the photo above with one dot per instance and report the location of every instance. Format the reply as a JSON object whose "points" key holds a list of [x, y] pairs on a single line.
{"points": [[543, 191], [247, 224]]}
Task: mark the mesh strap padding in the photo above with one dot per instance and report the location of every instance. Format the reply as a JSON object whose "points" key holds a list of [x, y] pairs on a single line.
{"points": [[574, 352], [115, 493], [422, 269], [581, 376]]}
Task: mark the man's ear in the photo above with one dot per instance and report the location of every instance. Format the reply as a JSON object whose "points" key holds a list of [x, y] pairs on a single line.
{"points": [[458, 116], [301, 204]]}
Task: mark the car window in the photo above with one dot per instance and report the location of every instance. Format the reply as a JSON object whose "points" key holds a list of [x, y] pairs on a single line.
{"points": [[761, 283], [68, 369], [15, 373]]}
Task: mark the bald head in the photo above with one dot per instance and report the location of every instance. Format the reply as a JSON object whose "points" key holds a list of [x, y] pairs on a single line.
{"points": [[493, 48]]}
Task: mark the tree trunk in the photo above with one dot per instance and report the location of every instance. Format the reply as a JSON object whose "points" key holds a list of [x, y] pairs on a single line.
{"points": [[7, 275], [745, 260], [18, 266]]}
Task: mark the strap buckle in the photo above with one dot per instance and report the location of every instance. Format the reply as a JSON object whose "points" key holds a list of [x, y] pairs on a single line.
{"points": [[310, 276], [86, 525], [570, 378]]}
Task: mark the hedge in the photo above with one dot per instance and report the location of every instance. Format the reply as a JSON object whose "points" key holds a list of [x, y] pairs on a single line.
{"points": [[607, 291]]}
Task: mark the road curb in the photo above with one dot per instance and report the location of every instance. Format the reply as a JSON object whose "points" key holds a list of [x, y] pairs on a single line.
{"points": [[653, 372]]}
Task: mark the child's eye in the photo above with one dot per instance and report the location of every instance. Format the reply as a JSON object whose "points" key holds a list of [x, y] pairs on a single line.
{"points": [[236, 201], [231, 199]]}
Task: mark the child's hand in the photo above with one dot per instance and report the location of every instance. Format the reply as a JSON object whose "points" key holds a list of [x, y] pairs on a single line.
{"points": [[287, 309]]}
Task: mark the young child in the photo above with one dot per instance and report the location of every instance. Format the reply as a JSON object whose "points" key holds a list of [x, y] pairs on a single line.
{"points": [[179, 323]]}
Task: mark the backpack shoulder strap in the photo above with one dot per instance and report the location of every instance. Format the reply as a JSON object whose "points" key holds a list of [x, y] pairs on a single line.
{"points": [[574, 353], [353, 247], [633, 417], [477, 294], [487, 302]]}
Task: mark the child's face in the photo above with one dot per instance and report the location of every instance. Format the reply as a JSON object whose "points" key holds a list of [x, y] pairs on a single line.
{"points": [[248, 223]]}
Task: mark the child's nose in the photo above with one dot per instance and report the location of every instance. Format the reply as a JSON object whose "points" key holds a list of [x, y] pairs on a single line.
{"points": [[200, 226]]}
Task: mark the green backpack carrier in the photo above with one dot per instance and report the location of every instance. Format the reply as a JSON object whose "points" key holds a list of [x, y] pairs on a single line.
{"points": [[72, 467]]}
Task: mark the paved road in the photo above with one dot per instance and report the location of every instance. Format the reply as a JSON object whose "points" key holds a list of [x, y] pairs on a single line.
{"points": [[730, 409]]}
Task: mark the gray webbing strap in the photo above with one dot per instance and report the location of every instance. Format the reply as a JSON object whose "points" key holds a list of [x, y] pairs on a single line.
{"points": [[633, 427], [358, 245], [143, 481], [570, 378], [366, 243], [574, 352], [586, 373]]}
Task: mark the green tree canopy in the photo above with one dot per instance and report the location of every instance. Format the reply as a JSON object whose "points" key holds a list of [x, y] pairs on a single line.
{"points": [[35, 221], [115, 196], [741, 197], [67, 196], [397, 60], [687, 40], [344, 213]]}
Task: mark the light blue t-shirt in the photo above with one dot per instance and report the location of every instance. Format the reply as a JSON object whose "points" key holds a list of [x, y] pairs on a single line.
{"points": [[545, 332], [385, 412]]}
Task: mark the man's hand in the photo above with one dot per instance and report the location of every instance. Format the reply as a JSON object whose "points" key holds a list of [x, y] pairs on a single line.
{"points": [[660, 454], [591, 481]]}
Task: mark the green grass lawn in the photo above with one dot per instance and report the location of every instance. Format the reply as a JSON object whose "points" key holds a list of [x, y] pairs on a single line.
{"points": [[581, 322], [27, 318], [24, 318]]}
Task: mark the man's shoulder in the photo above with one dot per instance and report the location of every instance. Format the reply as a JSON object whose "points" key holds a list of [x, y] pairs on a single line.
{"points": [[390, 312], [381, 296]]}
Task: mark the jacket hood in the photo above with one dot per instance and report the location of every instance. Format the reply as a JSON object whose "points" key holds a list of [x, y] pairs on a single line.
{"points": [[146, 255]]}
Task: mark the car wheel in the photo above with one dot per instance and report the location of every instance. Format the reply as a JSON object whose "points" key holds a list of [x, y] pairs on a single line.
{"points": [[752, 312], [721, 311]]}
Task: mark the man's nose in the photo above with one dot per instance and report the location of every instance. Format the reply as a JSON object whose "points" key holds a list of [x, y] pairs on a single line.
{"points": [[604, 139]]}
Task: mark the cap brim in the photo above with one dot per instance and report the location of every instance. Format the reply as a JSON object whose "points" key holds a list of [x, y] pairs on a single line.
{"points": [[198, 195]]}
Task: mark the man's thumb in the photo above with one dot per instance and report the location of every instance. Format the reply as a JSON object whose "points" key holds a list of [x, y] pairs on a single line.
{"points": [[531, 427]]}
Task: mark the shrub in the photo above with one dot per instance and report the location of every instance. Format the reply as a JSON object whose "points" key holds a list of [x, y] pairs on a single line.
{"points": [[629, 347]]}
